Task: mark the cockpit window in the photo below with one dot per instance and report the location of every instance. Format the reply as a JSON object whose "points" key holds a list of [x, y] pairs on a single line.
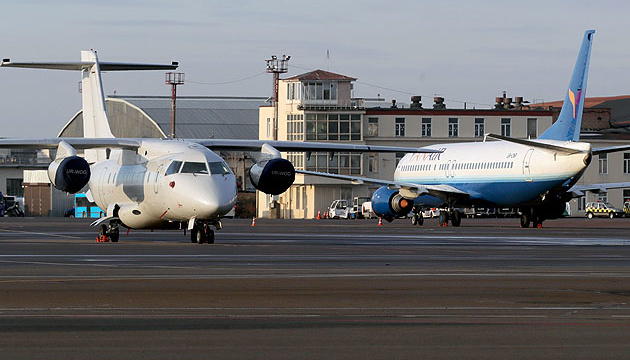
{"points": [[173, 168], [218, 167], [194, 168]]}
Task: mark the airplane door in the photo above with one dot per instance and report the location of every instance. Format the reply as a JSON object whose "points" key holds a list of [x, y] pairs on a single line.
{"points": [[527, 165], [156, 188]]}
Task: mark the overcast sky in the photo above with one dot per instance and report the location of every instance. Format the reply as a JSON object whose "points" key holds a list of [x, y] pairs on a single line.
{"points": [[462, 50]]}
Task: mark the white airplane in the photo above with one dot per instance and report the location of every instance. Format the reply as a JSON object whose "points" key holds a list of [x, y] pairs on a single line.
{"points": [[159, 183], [535, 175]]}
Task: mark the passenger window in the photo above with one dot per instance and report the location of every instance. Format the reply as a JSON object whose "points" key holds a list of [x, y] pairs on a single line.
{"points": [[173, 168], [218, 167], [194, 168]]}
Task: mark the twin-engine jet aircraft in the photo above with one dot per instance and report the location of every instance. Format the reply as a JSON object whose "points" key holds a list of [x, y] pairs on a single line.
{"points": [[159, 183], [537, 176]]}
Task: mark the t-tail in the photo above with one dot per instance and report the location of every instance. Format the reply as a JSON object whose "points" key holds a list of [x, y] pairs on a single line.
{"points": [[95, 122], [567, 127]]}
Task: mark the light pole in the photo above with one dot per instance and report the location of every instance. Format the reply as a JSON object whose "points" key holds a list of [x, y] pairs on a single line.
{"points": [[174, 79], [276, 67]]}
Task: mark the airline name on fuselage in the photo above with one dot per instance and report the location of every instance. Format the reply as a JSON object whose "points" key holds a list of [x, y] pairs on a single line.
{"points": [[428, 156]]}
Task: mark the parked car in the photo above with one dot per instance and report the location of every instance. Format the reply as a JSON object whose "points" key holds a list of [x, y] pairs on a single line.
{"points": [[602, 209]]}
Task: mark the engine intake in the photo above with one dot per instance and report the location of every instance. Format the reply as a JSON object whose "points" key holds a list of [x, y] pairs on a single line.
{"points": [[70, 174], [273, 176], [389, 204]]}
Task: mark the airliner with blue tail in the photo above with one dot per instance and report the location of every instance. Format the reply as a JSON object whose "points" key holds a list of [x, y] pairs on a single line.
{"points": [[537, 176]]}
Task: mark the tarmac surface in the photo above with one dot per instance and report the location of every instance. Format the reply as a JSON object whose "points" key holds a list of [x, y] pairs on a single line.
{"points": [[300, 289]]}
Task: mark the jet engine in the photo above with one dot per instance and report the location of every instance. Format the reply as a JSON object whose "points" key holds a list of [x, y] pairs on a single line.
{"points": [[389, 204], [272, 176], [68, 172]]}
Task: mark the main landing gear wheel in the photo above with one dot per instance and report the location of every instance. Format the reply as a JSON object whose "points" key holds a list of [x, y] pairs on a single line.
{"points": [[525, 220], [456, 218]]}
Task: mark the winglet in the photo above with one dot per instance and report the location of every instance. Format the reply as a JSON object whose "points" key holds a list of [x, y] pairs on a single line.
{"points": [[567, 127]]}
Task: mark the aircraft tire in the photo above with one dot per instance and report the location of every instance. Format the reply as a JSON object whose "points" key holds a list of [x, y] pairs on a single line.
{"points": [[114, 236], [200, 236], [456, 218], [525, 220], [210, 236], [420, 220]]}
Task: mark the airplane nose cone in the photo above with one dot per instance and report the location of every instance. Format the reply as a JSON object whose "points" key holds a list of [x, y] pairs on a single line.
{"points": [[217, 199]]}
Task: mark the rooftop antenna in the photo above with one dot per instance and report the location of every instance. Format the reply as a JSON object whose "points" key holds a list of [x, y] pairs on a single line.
{"points": [[174, 79], [276, 67]]}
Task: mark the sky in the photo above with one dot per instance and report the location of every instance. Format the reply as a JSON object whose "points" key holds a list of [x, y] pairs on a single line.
{"points": [[464, 51]]}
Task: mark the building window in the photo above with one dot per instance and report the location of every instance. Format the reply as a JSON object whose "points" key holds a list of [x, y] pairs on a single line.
{"points": [[400, 127], [453, 127], [426, 127], [626, 196], [320, 90], [268, 127], [603, 163], [340, 163], [373, 163], [399, 156], [336, 127], [602, 196], [532, 128], [373, 127], [480, 127], [506, 127], [626, 163], [14, 187]]}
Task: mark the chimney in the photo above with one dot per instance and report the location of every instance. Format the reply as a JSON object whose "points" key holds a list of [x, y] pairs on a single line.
{"points": [[415, 102], [498, 103], [438, 103]]}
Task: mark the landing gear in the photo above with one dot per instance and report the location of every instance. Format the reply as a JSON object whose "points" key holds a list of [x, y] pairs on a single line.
{"points": [[525, 220], [110, 231], [530, 215], [202, 233], [417, 219], [456, 218]]}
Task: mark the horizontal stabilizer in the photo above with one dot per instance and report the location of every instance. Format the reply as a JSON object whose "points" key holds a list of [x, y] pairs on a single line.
{"points": [[78, 66], [535, 144]]}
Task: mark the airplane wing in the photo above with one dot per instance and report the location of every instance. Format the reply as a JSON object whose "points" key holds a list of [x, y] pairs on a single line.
{"points": [[299, 146], [610, 149], [579, 190], [77, 143], [407, 190]]}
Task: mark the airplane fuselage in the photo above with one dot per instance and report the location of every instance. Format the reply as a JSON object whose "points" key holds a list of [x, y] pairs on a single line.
{"points": [[164, 181], [495, 173]]}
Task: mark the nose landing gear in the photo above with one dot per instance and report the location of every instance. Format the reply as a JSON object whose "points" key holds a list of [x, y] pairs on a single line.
{"points": [[202, 233]]}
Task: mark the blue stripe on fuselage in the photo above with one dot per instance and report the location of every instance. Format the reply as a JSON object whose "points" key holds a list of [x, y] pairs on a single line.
{"points": [[499, 193]]}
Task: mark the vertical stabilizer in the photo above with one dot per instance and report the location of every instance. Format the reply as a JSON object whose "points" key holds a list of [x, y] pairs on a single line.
{"points": [[567, 127], [95, 123]]}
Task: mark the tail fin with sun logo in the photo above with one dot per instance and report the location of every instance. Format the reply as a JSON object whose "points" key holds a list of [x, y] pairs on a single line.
{"points": [[567, 127]]}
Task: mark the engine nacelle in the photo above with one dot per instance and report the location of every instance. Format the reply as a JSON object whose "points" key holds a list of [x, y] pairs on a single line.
{"points": [[389, 204], [273, 176], [69, 174]]}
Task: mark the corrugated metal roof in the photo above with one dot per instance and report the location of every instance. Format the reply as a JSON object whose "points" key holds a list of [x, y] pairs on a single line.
{"points": [[320, 75], [220, 118]]}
